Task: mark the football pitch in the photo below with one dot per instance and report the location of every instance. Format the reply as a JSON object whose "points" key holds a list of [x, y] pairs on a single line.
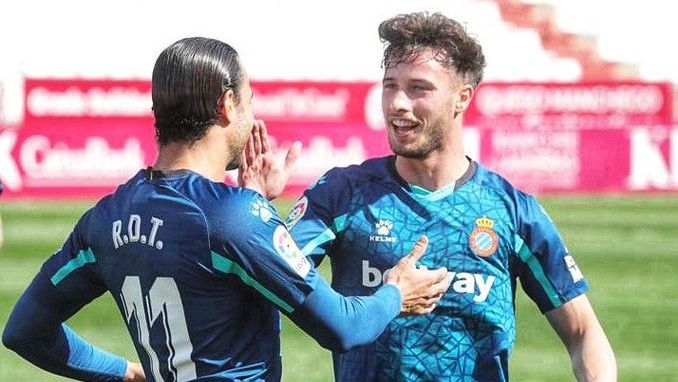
{"points": [[627, 248]]}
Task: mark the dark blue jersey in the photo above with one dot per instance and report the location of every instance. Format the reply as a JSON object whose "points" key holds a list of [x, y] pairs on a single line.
{"points": [[175, 254], [486, 232], [198, 270]]}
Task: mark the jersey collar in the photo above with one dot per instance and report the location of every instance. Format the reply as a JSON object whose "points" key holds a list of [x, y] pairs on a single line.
{"points": [[157, 174], [452, 187]]}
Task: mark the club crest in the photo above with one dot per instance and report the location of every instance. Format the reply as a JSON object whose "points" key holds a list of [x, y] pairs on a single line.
{"points": [[484, 240], [297, 212]]}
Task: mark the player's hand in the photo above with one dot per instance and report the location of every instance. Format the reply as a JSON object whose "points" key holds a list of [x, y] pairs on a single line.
{"points": [[421, 289], [259, 170], [134, 373]]}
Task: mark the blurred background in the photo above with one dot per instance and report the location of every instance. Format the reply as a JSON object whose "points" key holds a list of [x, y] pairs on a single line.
{"points": [[577, 106]]}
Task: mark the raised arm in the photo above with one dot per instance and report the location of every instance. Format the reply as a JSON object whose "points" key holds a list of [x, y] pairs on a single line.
{"points": [[259, 170], [590, 351], [337, 322]]}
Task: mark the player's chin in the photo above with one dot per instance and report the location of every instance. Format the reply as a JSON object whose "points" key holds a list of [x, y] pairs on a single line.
{"points": [[408, 151]]}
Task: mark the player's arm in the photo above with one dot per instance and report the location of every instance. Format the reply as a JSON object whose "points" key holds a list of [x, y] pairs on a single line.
{"points": [[340, 323], [590, 351], [553, 280], [257, 248], [335, 321], [259, 171], [36, 330]]}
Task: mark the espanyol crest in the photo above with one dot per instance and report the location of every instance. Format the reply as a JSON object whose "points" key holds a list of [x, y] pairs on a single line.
{"points": [[483, 240]]}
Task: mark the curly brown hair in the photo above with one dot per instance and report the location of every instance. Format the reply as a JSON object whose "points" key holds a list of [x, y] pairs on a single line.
{"points": [[408, 35]]}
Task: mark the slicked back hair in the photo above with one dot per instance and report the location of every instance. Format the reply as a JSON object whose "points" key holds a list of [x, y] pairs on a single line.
{"points": [[189, 79], [407, 36]]}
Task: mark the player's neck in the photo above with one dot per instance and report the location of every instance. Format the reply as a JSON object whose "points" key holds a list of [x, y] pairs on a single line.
{"points": [[437, 171], [205, 157]]}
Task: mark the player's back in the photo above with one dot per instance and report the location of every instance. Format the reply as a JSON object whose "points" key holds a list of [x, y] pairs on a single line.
{"points": [[152, 246]]}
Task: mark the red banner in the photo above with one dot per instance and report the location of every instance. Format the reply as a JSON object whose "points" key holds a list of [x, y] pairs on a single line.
{"points": [[83, 138], [86, 159], [72, 160]]}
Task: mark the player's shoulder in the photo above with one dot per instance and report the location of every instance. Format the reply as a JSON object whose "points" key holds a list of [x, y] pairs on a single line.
{"points": [[217, 199], [522, 201], [368, 171], [118, 198], [501, 188], [182, 190], [494, 181]]}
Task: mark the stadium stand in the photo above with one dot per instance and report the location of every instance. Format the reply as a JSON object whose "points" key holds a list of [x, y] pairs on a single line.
{"points": [[524, 40], [617, 33]]}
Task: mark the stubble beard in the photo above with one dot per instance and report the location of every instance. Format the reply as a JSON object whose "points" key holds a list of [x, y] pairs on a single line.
{"points": [[236, 147], [433, 142]]}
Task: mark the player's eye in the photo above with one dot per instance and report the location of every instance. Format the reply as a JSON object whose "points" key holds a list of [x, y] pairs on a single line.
{"points": [[419, 88]]}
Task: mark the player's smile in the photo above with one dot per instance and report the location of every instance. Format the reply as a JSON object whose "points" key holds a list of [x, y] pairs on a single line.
{"points": [[404, 128]]}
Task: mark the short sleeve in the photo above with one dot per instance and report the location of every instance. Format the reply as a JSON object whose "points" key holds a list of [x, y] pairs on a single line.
{"points": [[547, 271], [72, 268], [250, 242]]}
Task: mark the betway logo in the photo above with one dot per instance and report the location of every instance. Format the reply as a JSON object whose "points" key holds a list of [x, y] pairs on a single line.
{"points": [[54, 164], [476, 284]]}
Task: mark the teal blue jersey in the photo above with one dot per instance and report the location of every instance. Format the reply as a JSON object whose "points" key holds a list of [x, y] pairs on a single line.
{"points": [[485, 231]]}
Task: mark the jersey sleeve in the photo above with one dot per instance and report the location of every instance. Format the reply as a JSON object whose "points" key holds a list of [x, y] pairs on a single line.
{"points": [[340, 323], [316, 219], [253, 244], [35, 330], [547, 271], [72, 268], [250, 241]]}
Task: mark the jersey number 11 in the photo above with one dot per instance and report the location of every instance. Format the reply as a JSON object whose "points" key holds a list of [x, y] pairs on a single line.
{"points": [[163, 299]]}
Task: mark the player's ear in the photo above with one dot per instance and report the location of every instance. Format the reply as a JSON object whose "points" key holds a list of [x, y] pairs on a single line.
{"points": [[465, 95], [227, 107]]}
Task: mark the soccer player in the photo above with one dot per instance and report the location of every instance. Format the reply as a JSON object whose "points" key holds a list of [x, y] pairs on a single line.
{"points": [[485, 231], [197, 268]]}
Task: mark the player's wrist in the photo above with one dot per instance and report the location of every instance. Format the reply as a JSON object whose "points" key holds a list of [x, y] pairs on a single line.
{"points": [[395, 294], [134, 373]]}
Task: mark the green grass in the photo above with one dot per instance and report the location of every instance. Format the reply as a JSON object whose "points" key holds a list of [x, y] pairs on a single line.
{"points": [[626, 246]]}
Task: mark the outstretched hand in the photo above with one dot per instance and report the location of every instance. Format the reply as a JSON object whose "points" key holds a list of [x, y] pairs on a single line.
{"points": [[259, 170], [421, 289]]}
